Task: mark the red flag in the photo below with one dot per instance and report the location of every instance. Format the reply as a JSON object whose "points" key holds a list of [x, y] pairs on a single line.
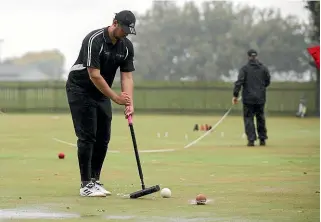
{"points": [[315, 53]]}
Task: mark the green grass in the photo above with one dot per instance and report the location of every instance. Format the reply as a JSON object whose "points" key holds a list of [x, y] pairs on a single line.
{"points": [[274, 183]]}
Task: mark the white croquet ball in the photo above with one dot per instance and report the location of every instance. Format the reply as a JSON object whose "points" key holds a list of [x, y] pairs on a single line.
{"points": [[166, 193]]}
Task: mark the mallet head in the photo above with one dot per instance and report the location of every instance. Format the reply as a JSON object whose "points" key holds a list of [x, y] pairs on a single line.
{"points": [[145, 192]]}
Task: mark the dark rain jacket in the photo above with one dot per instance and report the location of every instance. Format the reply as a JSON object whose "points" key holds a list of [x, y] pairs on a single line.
{"points": [[253, 78]]}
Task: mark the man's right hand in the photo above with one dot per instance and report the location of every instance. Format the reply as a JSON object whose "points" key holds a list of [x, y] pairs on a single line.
{"points": [[122, 99]]}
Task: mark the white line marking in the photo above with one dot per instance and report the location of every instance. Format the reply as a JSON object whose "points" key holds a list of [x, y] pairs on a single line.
{"points": [[61, 141], [116, 151], [156, 151], [74, 145]]}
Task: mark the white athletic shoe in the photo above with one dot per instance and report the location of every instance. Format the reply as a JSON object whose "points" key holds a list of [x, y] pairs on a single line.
{"points": [[90, 190], [100, 188]]}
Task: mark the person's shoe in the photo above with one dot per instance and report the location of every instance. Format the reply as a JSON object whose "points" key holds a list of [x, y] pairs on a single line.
{"points": [[90, 190], [262, 142], [100, 187], [250, 143]]}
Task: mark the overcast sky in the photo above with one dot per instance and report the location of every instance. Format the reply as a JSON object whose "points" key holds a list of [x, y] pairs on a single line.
{"points": [[35, 25]]}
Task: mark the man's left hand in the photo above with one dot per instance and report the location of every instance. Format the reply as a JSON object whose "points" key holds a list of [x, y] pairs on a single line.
{"points": [[235, 100], [129, 110]]}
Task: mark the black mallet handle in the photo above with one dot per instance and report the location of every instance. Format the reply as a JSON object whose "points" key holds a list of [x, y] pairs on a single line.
{"points": [[132, 132]]}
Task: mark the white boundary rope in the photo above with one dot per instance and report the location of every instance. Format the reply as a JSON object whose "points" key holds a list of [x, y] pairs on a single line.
{"points": [[209, 131], [116, 151], [167, 150]]}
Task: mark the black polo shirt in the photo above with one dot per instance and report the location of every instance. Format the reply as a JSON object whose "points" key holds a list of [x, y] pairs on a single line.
{"points": [[98, 51]]}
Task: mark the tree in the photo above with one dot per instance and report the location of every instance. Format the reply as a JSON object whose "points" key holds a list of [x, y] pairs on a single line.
{"points": [[314, 8], [209, 42]]}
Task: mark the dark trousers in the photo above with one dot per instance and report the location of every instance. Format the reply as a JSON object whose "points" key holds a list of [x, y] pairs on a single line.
{"points": [[249, 112], [92, 122]]}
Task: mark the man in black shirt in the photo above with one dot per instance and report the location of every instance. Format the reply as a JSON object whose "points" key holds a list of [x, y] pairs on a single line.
{"points": [[254, 77], [89, 95]]}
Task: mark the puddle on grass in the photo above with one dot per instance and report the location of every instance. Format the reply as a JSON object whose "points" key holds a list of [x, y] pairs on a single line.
{"points": [[173, 219], [159, 219], [28, 213], [41, 212], [119, 217]]}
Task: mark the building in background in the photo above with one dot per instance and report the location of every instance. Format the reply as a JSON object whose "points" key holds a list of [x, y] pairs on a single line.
{"points": [[15, 73]]}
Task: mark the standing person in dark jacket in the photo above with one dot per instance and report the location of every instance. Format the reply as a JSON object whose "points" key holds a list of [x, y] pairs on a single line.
{"points": [[254, 78]]}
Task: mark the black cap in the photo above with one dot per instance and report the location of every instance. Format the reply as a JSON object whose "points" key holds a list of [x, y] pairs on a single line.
{"points": [[252, 52], [127, 21]]}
